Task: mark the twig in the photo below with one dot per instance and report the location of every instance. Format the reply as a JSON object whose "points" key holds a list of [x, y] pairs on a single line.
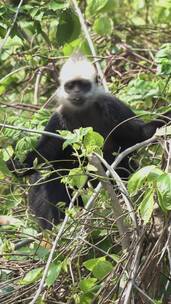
{"points": [[20, 107], [36, 90], [32, 131], [50, 99], [38, 77], [11, 27], [115, 164], [147, 262], [144, 294], [61, 230], [128, 151], [168, 150], [132, 273], [89, 40], [129, 49], [23, 243], [96, 247], [13, 72], [168, 247]]}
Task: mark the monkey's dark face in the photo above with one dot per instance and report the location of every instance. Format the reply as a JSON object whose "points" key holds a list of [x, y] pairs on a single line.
{"points": [[78, 91]]}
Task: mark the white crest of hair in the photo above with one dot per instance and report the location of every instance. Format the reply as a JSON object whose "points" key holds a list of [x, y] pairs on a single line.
{"points": [[75, 67]]}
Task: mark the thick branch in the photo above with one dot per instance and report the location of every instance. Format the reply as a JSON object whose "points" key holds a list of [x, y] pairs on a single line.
{"points": [[116, 207], [122, 188]]}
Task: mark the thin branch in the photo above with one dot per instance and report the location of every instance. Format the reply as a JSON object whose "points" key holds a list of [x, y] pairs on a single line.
{"points": [[36, 89], [19, 106], [13, 72], [23, 243], [125, 299], [49, 261], [128, 151], [96, 247], [89, 40], [144, 294], [32, 131], [115, 164], [168, 247], [142, 272], [11, 27], [168, 150]]}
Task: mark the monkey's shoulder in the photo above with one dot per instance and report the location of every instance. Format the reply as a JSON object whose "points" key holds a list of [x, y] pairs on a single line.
{"points": [[112, 106], [56, 122]]}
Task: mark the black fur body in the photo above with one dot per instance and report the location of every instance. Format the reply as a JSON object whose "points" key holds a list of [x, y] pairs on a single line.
{"points": [[82, 103], [107, 115]]}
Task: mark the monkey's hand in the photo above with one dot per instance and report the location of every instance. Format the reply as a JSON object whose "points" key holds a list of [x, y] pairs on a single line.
{"points": [[19, 169]]}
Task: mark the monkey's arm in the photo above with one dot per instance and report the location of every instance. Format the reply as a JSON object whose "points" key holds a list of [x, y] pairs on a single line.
{"points": [[128, 129], [48, 149], [136, 130], [146, 130], [151, 127]]}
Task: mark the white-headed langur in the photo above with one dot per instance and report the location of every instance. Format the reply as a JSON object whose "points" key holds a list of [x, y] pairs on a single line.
{"points": [[81, 103]]}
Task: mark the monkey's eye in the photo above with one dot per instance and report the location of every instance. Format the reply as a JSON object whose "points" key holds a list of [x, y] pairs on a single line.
{"points": [[85, 85], [69, 86], [78, 85]]}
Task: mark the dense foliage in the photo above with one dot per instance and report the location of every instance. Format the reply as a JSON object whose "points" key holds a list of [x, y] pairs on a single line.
{"points": [[91, 262]]}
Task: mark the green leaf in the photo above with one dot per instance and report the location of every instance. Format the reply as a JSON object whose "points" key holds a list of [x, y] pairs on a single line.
{"points": [[2, 89], [139, 21], [93, 141], [91, 168], [3, 167], [87, 284], [164, 52], [96, 6], [86, 299], [75, 137], [77, 178], [55, 5], [2, 31], [32, 276], [68, 28], [53, 273], [164, 191], [139, 90], [91, 263], [103, 25], [34, 11], [163, 59], [115, 257], [146, 207], [102, 269], [149, 173]]}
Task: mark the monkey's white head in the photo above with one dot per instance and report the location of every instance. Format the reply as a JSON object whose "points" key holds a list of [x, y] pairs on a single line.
{"points": [[78, 83], [77, 67]]}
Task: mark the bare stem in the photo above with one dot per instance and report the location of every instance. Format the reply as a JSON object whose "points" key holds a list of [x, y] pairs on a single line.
{"points": [[89, 40], [11, 27]]}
